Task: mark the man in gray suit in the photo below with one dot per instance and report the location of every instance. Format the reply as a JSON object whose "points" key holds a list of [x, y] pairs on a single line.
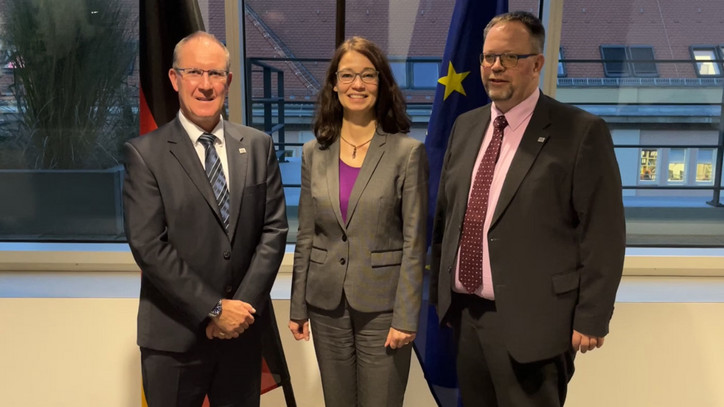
{"points": [[529, 235], [208, 253]]}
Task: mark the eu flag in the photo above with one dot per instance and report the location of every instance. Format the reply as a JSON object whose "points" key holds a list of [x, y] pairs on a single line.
{"points": [[459, 89]]}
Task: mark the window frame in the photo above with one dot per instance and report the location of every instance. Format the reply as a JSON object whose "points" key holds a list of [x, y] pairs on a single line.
{"points": [[412, 61], [607, 71], [562, 71], [395, 61], [695, 168], [633, 65], [716, 53], [684, 163], [657, 165]]}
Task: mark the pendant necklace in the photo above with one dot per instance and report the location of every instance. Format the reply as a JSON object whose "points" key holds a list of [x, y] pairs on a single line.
{"points": [[355, 147]]}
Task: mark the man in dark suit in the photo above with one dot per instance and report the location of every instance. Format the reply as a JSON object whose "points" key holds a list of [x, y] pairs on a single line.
{"points": [[208, 253], [529, 235]]}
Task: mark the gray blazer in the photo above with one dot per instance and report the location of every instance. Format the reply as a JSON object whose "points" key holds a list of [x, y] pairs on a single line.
{"points": [[557, 237], [377, 257], [187, 259]]}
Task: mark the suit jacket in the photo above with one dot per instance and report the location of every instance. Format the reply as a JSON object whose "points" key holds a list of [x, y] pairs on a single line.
{"points": [[173, 224], [557, 236], [377, 256]]}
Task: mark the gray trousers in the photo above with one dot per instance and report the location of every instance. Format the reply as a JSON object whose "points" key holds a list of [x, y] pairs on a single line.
{"points": [[357, 369]]}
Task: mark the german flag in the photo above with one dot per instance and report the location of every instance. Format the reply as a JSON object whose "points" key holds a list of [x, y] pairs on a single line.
{"points": [[163, 23]]}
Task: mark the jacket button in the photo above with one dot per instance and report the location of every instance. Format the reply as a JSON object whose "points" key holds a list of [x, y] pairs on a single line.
{"points": [[227, 254], [342, 261], [344, 238], [227, 289]]}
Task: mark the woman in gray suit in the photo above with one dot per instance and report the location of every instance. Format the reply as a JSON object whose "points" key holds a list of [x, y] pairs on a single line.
{"points": [[360, 250]]}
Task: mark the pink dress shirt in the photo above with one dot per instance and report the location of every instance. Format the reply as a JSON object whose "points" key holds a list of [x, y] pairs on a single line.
{"points": [[518, 119]]}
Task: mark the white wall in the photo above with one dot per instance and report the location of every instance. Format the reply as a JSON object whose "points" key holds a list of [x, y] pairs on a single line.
{"points": [[81, 352], [61, 345]]}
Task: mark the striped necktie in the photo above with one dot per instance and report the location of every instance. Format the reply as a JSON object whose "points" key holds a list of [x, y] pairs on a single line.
{"points": [[215, 173]]}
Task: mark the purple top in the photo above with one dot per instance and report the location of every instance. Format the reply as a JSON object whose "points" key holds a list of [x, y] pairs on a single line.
{"points": [[347, 177]]}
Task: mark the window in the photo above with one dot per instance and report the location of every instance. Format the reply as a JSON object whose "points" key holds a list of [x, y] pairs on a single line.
{"points": [[704, 165], [561, 65], [416, 74], [399, 70], [292, 43], [706, 53], [62, 127], [425, 74], [677, 165], [648, 164], [614, 60], [634, 60], [643, 60]]}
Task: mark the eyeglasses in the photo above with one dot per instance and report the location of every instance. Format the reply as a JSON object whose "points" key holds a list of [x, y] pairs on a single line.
{"points": [[368, 76], [195, 74], [507, 60]]}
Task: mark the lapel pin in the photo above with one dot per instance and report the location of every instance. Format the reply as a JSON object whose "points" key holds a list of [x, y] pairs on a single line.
{"points": [[541, 139], [242, 150]]}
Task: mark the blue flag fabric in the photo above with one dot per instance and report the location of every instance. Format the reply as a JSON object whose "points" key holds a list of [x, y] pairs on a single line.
{"points": [[459, 90]]}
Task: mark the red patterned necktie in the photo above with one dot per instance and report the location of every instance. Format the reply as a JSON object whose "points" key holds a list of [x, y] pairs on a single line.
{"points": [[471, 243]]}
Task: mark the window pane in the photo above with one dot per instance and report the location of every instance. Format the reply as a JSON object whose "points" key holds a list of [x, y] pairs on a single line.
{"points": [[614, 60], [293, 41], [706, 68], [658, 123], [648, 165], [561, 65], [705, 165], [399, 70], [643, 54], [677, 164], [68, 101], [425, 74]]}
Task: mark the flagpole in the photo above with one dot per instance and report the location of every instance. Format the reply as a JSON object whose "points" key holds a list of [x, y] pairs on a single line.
{"points": [[339, 29], [235, 45], [551, 14]]}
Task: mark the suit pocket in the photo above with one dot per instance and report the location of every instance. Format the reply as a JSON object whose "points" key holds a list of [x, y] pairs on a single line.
{"points": [[386, 258], [318, 255], [565, 282]]}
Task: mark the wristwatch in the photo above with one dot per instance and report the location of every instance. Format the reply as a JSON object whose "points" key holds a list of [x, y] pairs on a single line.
{"points": [[216, 311]]}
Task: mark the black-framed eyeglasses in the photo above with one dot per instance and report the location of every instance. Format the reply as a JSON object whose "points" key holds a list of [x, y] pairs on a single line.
{"points": [[368, 76], [506, 59], [195, 74]]}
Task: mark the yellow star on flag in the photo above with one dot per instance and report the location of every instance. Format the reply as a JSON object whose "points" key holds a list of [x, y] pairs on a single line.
{"points": [[453, 81]]}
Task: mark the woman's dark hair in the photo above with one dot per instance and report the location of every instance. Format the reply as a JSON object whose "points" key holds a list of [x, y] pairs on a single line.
{"points": [[390, 107]]}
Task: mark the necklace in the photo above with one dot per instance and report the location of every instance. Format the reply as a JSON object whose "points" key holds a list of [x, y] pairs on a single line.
{"points": [[355, 147]]}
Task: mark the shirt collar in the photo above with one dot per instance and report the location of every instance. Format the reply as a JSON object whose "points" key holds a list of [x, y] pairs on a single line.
{"points": [[519, 113], [195, 131]]}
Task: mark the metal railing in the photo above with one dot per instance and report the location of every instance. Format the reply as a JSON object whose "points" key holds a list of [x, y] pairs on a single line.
{"points": [[269, 100]]}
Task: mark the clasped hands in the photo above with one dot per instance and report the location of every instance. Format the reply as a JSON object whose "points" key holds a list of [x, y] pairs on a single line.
{"points": [[236, 317]]}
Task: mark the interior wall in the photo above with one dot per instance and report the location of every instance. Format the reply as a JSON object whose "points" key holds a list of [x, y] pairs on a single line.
{"points": [[81, 352]]}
